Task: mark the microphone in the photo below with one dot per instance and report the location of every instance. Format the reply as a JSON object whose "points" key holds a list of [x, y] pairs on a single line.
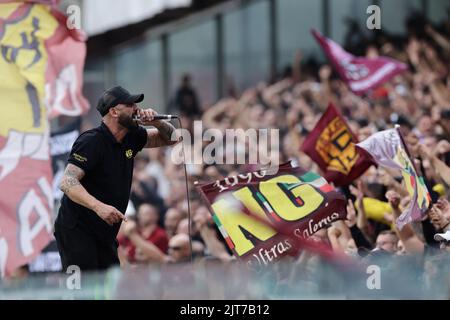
{"points": [[158, 117]]}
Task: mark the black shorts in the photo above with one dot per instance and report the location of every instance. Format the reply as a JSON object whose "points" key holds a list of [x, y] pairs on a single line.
{"points": [[78, 246]]}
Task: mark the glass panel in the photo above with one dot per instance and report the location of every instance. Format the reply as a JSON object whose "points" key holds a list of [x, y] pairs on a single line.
{"points": [[246, 34], [437, 10], [94, 79], [340, 10], [295, 19], [394, 13], [193, 51], [94, 82], [138, 69]]}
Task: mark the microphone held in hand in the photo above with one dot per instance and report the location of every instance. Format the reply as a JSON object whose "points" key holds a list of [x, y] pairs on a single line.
{"points": [[158, 117]]}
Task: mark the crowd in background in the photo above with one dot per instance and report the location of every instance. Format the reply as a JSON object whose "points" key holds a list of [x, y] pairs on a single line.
{"points": [[418, 100]]}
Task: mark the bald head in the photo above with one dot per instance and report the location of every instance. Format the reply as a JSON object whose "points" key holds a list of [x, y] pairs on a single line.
{"points": [[179, 249]]}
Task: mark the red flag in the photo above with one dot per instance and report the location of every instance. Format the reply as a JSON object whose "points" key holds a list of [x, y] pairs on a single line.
{"points": [[359, 73], [264, 217], [331, 144], [66, 51]]}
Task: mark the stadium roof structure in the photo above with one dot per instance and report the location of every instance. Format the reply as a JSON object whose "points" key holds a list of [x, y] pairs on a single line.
{"points": [[163, 22]]}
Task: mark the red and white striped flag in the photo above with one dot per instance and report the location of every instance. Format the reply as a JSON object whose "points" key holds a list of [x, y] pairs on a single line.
{"points": [[359, 73]]}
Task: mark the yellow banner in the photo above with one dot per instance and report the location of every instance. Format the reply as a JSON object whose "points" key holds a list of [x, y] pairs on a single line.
{"points": [[23, 62]]}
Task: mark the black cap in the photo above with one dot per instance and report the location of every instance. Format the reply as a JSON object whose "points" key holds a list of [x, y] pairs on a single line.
{"points": [[114, 96]]}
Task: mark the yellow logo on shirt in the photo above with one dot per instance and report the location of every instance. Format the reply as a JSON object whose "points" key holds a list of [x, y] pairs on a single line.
{"points": [[79, 158], [129, 153]]}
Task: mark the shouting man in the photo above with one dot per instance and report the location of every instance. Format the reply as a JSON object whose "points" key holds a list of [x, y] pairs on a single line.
{"points": [[97, 179]]}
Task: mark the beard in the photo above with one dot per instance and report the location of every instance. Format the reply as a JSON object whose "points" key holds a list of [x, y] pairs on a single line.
{"points": [[128, 122]]}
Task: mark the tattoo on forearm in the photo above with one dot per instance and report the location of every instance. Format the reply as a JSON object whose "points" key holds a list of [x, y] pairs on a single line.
{"points": [[166, 130], [161, 136], [164, 136], [67, 183], [71, 178]]}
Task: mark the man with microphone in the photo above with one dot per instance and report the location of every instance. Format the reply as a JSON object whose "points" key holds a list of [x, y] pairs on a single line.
{"points": [[98, 176]]}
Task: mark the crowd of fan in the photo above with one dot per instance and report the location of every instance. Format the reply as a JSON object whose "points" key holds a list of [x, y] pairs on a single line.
{"points": [[158, 226], [418, 100]]}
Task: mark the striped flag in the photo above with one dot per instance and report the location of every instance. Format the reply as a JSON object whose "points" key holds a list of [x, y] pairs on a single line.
{"points": [[361, 74]]}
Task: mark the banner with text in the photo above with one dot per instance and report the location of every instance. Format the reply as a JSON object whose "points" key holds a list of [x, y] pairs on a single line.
{"points": [[260, 215]]}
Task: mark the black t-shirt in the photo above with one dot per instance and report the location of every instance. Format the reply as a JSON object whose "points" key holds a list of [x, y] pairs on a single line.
{"points": [[108, 167]]}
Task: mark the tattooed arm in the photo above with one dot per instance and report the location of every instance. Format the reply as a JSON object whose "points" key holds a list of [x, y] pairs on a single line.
{"points": [[161, 136], [71, 186]]}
